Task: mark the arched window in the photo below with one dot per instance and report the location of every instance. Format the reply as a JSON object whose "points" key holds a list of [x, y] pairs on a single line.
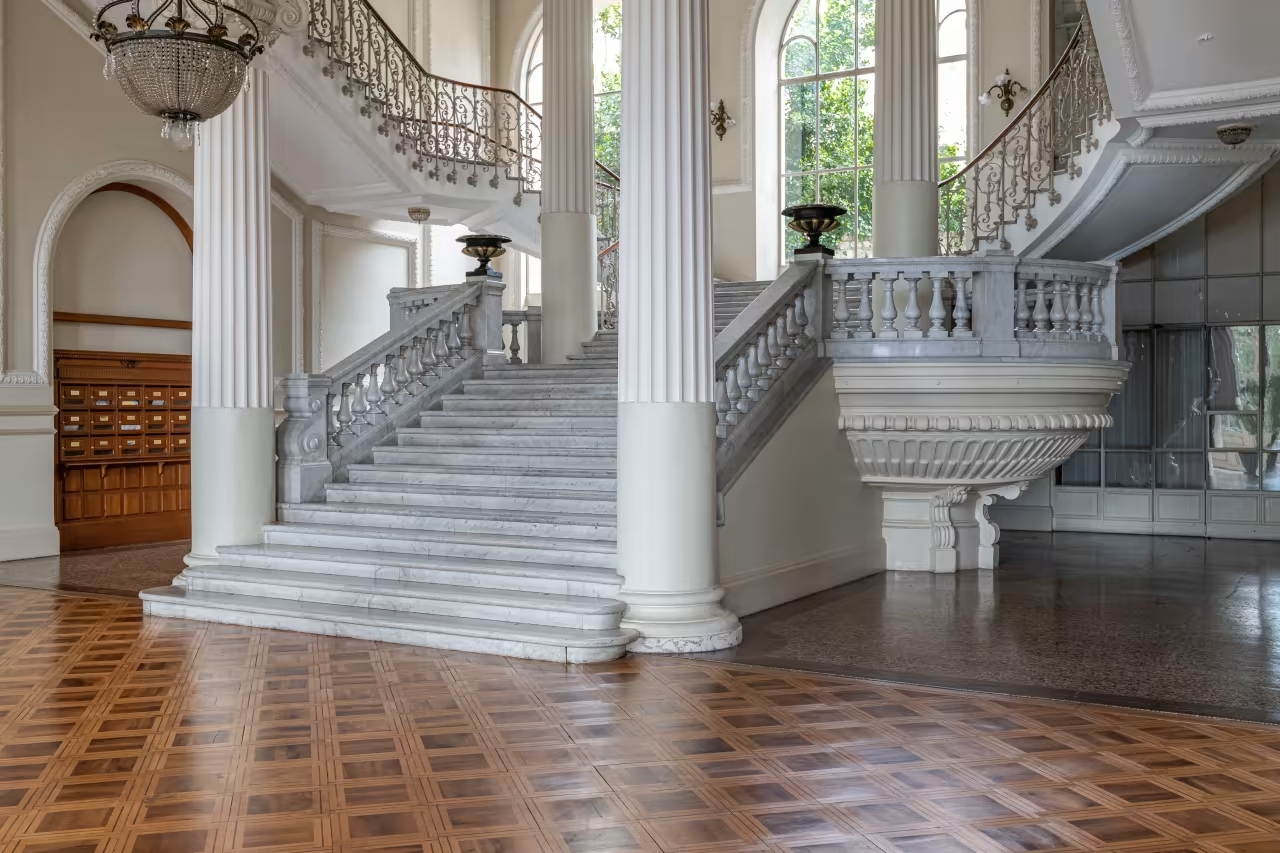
{"points": [[826, 104]]}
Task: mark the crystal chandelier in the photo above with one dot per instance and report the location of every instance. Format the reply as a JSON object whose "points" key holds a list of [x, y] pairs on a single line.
{"points": [[182, 62]]}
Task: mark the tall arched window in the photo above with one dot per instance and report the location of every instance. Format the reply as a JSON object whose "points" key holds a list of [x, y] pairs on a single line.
{"points": [[826, 103]]}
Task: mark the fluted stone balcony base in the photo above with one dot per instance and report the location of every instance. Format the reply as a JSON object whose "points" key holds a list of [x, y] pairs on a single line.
{"points": [[946, 438]]}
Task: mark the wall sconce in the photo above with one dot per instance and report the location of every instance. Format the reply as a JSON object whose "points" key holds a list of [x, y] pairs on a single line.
{"points": [[721, 121], [1006, 89]]}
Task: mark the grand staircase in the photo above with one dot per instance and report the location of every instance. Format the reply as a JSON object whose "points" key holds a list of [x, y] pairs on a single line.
{"points": [[489, 527]]}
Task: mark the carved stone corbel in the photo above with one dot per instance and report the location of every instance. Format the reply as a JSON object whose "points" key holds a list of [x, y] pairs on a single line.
{"points": [[988, 530], [943, 556]]}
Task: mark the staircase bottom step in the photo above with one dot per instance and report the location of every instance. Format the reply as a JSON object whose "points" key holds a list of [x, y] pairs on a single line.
{"points": [[536, 642]]}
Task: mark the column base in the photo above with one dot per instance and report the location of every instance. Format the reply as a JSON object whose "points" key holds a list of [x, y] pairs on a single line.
{"points": [[233, 478], [568, 284], [667, 529]]}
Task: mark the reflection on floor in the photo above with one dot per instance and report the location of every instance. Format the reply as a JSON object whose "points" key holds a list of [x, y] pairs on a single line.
{"points": [[125, 734], [1165, 623], [123, 571]]}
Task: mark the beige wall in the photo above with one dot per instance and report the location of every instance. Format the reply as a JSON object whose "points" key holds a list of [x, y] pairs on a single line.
{"points": [[99, 269], [799, 520], [353, 300]]}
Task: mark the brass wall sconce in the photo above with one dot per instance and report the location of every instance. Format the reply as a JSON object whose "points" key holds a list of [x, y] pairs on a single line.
{"points": [[1006, 89], [721, 121]]}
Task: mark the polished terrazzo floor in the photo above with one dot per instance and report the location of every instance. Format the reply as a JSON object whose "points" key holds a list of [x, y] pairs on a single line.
{"points": [[1166, 623], [121, 733], [125, 570]]}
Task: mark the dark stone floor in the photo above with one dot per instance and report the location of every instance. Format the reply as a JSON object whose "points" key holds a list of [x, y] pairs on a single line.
{"points": [[1182, 624], [124, 570]]}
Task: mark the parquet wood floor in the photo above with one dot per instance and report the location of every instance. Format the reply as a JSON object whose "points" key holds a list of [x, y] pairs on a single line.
{"points": [[120, 734]]}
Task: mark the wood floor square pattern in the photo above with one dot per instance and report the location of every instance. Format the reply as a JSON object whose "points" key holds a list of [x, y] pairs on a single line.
{"points": [[125, 734]]}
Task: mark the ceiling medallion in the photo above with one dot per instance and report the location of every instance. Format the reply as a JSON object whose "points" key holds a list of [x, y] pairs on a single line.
{"points": [[184, 63], [1234, 134]]}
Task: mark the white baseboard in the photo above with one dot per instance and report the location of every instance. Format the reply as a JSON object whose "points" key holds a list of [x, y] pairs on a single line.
{"points": [[779, 583], [21, 543], [1010, 516]]}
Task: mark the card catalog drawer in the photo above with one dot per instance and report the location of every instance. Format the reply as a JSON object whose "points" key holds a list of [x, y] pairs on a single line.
{"points": [[73, 423]]}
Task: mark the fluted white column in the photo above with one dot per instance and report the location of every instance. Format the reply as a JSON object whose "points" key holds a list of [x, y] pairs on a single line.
{"points": [[232, 420], [568, 180], [666, 408], [905, 211]]}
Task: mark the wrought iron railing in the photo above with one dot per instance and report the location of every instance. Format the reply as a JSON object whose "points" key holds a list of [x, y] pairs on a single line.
{"points": [[999, 187], [608, 186]]}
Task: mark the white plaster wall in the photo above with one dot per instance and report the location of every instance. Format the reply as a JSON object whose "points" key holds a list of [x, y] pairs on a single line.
{"points": [[461, 41], [448, 264], [353, 299], [99, 268], [799, 520]]}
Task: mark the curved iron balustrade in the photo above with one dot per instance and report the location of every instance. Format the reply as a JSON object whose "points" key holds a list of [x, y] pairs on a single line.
{"points": [[981, 201]]}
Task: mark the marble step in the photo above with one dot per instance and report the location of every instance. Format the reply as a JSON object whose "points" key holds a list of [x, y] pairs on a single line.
{"points": [[498, 457], [570, 377], [596, 346], [580, 581], [561, 526], [594, 358], [467, 404], [563, 645], [482, 546], [546, 389], [520, 421], [441, 475], [453, 495], [399, 596], [529, 438]]}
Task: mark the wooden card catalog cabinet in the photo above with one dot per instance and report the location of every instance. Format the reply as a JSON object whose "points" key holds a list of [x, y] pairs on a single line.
{"points": [[124, 448]]}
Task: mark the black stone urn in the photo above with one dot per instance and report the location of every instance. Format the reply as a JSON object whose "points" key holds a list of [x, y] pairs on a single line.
{"points": [[814, 220], [484, 247]]}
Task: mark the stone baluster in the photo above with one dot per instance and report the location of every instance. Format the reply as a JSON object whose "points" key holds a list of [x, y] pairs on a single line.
{"points": [[388, 387], [359, 406], [415, 369], [775, 352], [841, 314], [1041, 313], [809, 304], [722, 409], [465, 333], [402, 376], [1086, 309], [744, 385], [454, 342], [344, 416], [515, 343], [783, 359], [1098, 326], [911, 313], [765, 360], [427, 357], [865, 314], [937, 311], [793, 333], [440, 337], [888, 311], [377, 413], [754, 371], [1021, 312], [1073, 308], [802, 337], [961, 313], [733, 394], [331, 421], [1059, 312]]}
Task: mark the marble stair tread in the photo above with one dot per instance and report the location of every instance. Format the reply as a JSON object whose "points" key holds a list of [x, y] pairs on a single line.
{"points": [[589, 357], [536, 641], [501, 458], [556, 478], [527, 439], [516, 544], [520, 420], [257, 555], [522, 516], [548, 390], [514, 598], [547, 500], [465, 404], [559, 453]]}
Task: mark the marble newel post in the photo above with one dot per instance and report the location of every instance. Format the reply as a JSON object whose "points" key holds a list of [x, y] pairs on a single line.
{"points": [[568, 182], [666, 408], [905, 210], [232, 420]]}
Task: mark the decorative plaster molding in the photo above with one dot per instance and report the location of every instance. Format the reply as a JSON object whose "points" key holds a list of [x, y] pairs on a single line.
{"points": [[76, 21], [1249, 157], [1037, 43], [1209, 116], [1123, 22], [296, 279], [388, 238], [47, 240], [317, 280], [973, 423]]}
